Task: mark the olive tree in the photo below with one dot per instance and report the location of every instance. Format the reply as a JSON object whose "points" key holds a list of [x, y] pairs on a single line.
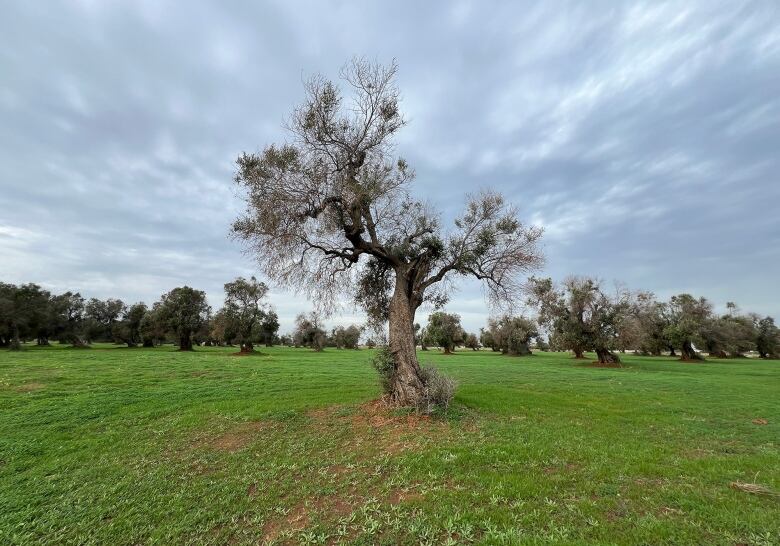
{"points": [[128, 328], [331, 209], [183, 311], [309, 332], [444, 330], [767, 337], [512, 335], [687, 318], [244, 309], [22, 310], [581, 315]]}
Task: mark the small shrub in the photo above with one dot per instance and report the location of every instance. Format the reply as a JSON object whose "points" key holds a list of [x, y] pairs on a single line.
{"points": [[382, 361], [439, 390]]}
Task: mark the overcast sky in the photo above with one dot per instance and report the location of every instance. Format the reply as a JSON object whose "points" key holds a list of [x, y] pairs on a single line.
{"points": [[645, 137]]}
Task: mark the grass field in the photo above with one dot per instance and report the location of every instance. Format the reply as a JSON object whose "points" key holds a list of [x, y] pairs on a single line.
{"points": [[136, 446]]}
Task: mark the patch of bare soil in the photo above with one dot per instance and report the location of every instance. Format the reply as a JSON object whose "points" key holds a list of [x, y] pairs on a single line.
{"points": [[375, 426], [296, 520], [568, 467], [397, 496], [237, 437], [30, 387], [760, 422]]}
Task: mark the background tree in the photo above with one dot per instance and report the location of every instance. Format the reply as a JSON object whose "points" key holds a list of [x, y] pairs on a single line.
{"points": [[308, 331], [650, 317], [730, 335], [68, 310], [687, 317], [582, 315], [128, 329], [562, 313], [487, 340], [512, 335], [244, 309], [22, 310], [183, 311], [471, 341], [444, 330], [269, 327], [100, 317], [767, 337], [330, 210]]}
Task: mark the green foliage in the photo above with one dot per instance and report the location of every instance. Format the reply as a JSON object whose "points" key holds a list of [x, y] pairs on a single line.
{"points": [[512, 335], [382, 362], [444, 330], [183, 311], [767, 337]]}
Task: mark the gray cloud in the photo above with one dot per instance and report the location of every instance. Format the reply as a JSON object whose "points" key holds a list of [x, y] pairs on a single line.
{"points": [[643, 136]]}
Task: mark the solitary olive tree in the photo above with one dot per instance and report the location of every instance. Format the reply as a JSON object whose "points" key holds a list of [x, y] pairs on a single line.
{"points": [[330, 210]]}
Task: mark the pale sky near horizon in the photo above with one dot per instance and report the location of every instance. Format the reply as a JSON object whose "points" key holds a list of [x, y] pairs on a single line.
{"points": [[643, 136]]}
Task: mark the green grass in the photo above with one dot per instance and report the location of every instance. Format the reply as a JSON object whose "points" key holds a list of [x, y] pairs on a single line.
{"points": [[120, 446]]}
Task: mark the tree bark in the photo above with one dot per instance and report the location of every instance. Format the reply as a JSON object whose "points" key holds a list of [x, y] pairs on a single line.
{"points": [[247, 347], [407, 387], [671, 351], [185, 342], [687, 352], [578, 352], [16, 343], [606, 356]]}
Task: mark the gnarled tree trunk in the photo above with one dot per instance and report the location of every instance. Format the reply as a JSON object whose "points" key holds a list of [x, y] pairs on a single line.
{"points": [[407, 387], [606, 356], [247, 347], [578, 352], [185, 342], [687, 352], [16, 343]]}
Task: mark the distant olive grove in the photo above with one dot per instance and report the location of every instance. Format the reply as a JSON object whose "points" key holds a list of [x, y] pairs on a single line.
{"points": [[577, 315], [182, 316], [580, 315]]}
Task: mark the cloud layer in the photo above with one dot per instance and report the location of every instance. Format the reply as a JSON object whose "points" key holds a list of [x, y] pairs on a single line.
{"points": [[643, 136]]}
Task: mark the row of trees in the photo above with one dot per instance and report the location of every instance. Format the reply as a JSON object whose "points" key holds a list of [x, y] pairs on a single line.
{"points": [[28, 312], [309, 332], [580, 315]]}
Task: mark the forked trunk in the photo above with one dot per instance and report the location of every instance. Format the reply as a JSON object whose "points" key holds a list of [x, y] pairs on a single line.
{"points": [[407, 387], [578, 352], [606, 356], [687, 352]]}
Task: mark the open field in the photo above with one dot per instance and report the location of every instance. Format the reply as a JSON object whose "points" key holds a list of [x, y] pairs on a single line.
{"points": [[137, 446]]}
